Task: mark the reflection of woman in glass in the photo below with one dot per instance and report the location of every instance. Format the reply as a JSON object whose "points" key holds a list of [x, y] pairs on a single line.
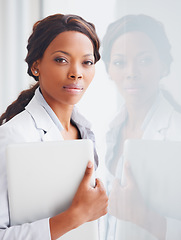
{"points": [[137, 56]]}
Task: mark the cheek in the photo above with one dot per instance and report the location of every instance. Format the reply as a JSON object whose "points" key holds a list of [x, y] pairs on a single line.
{"points": [[45, 72], [151, 79], [115, 73], [52, 75], [152, 72], [117, 76]]}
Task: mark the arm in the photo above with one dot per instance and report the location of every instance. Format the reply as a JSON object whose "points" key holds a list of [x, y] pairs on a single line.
{"points": [[37, 230], [126, 203], [45, 228], [88, 204]]}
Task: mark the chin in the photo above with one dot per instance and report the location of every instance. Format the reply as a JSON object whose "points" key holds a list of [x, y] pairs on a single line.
{"points": [[72, 102], [135, 99]]}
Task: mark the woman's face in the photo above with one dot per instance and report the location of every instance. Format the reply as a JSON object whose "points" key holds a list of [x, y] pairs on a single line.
{"points": [[66, 68], [135, 66]]}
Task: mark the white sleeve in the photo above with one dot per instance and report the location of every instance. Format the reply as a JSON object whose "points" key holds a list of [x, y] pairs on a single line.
{"points": [[30, 231], [173, 229]]}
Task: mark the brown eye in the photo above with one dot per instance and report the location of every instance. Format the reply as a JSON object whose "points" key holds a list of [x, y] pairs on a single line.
{"points": [[146, 60], [60, 60], [119, 63], [88, 63]]}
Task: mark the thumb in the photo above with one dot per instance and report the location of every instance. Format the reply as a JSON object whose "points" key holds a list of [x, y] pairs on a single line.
{"points": [[88, 173]]}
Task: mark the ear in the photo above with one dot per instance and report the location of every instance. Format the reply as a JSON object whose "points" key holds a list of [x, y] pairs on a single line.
{"points": [[35, 68]]}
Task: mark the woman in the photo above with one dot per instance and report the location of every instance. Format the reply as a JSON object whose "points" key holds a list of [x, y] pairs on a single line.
{"points": [[136, 53], [62, 52]]}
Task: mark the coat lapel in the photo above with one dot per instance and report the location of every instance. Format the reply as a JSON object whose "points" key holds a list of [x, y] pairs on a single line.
{"points": [[43, 122], [160, 122], [53, 134]]}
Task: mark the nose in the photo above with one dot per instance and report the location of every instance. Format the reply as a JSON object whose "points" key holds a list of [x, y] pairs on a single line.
{"points": [[75, 73], [132, 71], [75, 76]]}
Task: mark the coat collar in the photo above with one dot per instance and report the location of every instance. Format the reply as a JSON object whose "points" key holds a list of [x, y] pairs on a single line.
{"points": [[48, 129], [160, 120], [155, 124], [43, 121], [155, 128]]}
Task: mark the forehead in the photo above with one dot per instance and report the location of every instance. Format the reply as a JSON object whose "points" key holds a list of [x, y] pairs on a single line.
{"points": [[133, 42], [71, 40]]}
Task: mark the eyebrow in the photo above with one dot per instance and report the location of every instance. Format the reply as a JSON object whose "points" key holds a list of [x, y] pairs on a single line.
{"points": [[66, 53], [141, 53], [145, 52]]}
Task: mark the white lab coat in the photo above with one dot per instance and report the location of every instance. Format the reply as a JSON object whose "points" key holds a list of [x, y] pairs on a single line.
{"points": [[161, 123], [32, 125]]}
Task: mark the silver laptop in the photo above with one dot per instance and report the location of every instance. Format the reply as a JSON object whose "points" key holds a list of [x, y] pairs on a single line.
{"points": [[43, 178], [156, 166]]}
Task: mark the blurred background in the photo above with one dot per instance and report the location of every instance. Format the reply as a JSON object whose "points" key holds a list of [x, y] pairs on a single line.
{"points": [[100, 102]]}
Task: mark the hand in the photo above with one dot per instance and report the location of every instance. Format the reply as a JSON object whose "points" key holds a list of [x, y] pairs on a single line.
{"points": [[126, 202], [91, 202]]}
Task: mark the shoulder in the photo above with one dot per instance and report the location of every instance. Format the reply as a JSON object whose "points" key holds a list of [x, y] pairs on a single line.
{"points": [[173, 118], [163, 112], [173, 114], [174, 129], [19, 128]]}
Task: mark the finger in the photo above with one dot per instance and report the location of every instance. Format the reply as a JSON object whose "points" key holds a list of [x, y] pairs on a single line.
{"points": [[88, 173], [99, 185]]}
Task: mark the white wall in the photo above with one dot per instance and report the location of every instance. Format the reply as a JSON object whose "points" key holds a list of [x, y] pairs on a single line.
{"points": [[17, 18]]}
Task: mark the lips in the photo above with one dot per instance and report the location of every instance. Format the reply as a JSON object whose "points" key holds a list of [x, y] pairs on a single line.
{"points": [[73, 88], [133, 89]]}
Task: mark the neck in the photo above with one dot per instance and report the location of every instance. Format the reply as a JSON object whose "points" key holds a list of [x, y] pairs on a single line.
{"points": [[63, 112], [137, 113]]}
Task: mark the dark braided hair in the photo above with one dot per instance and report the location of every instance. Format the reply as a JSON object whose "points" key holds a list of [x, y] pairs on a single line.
{"points": [[19, 104]]}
